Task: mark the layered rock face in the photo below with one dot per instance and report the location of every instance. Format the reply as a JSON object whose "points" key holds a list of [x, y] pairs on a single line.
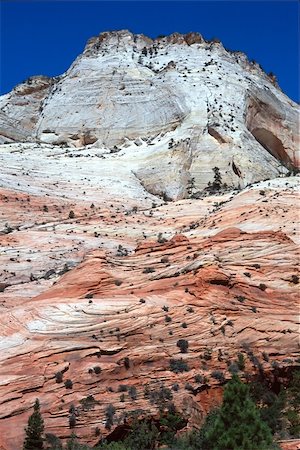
{"points": [[102, 273], [181, 94]]}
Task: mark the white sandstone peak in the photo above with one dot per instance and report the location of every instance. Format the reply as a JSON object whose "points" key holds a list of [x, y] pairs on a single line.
{"points": [[182, 105]]}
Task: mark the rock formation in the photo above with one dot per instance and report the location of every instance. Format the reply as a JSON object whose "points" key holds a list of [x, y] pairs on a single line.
{"points": [[144, 199]]}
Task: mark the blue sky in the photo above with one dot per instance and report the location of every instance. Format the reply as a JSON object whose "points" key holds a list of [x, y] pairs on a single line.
{"points": [[44, 37]]}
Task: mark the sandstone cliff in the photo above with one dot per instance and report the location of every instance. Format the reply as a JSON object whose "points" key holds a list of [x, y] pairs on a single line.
{"points": [[144, 200]]}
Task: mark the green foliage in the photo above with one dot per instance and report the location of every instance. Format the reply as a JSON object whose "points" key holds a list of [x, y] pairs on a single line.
{"points": [[110, 411], [183, 345], [292, 412], [113, 446], [132, 392], [59, 377], [169, 424], [34, 431], [218, 375], [73, 444], [68, 384], [178, 365], [160, 396], [143, 435], [217, 183], [241, 361], [239, 425], [53, 441], [270, 404], [197, 440]]}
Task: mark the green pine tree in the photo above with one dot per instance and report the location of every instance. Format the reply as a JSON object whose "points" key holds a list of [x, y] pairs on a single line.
{"points": [[239, 425], [34, 431]]}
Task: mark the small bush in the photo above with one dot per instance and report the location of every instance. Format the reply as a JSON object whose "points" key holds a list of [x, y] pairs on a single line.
{"points": [[241, 361], [59, 377], [189, 387], [183, 345], [132, 392], [110, 411], [122, 388], [218, 375], [198, 378], [97, 370], [68, 384], [148, 270], [178, 365], [72, 420], [233, 368]]}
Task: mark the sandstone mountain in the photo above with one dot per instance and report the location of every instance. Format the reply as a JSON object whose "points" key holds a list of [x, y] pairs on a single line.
{"points": [[147, 195]]}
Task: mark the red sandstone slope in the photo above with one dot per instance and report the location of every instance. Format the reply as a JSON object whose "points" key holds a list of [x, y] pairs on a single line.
{"points": [[225, 292]]}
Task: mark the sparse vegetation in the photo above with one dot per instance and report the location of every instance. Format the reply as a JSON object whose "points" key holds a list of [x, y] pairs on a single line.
{"points": [[34, 430], [178, 365], [183, 345], [68, 384]]}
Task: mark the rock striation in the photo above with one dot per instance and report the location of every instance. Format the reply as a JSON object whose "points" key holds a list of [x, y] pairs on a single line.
{"points": [[144, 199], [180, 94]]}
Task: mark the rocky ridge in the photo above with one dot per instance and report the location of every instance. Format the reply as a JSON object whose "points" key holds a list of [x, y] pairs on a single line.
{"points": [[128, 226]]}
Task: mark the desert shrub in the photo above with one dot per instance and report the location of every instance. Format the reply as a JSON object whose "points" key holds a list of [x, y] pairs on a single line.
{"points": [[178, 365], [218, 375], [72, 420], [198, 378], [59, 377], [110, 411], [68, 384], [122, 388], [233, 368], [183, 345], [143, 435], [148, 270], [132, 392]]}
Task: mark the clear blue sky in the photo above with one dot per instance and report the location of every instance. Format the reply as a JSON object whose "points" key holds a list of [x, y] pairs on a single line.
{"points": [[44, 37]]}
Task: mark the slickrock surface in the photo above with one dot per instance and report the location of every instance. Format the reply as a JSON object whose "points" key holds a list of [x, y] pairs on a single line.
{"points": [[192, 103], [100, 268]]}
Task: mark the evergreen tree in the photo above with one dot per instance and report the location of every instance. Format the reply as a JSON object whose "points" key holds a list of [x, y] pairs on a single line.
{"points": [[239, 425], [35, 428]]}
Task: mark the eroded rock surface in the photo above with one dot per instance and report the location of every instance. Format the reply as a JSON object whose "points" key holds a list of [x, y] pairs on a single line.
{"points": [[111, 255], [127, 276], [177, 94]]}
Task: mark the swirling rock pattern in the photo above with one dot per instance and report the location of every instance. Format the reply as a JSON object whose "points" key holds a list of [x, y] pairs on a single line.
{"points": [[125, 239]]}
